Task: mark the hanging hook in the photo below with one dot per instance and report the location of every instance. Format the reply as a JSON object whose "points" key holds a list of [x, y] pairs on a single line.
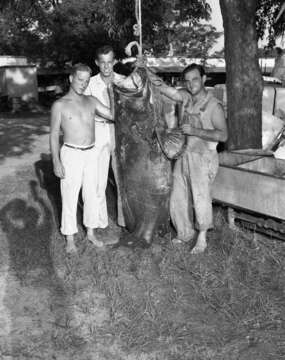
{"points": [[137, 32], [128, 48]]}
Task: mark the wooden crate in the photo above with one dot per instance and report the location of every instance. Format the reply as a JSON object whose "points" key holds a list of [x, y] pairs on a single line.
{"points": [[252, 183]]}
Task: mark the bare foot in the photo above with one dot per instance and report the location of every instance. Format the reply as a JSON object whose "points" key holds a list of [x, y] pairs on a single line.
{"points": [[201, 243], [178, 241], [108, 236], [111, 240], [91, 237], [70, 246]]}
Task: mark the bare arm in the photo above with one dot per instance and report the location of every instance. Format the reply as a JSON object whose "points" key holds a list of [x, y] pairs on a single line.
{"points": [[54, 139], [166, 90], [220, 131]]}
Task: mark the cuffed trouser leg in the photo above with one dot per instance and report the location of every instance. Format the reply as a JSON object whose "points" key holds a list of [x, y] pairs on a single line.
{"points": [[181, 205], [203, 168], [70, 186], [101, 177], [89, 189], [103, 148], [114, 165]]}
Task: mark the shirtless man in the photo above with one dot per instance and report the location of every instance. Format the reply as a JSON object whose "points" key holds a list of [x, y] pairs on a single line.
{"points": [[74, 162]]}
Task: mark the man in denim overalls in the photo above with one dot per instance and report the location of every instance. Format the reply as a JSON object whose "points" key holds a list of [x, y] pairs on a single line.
{"points": [[194, 172]]}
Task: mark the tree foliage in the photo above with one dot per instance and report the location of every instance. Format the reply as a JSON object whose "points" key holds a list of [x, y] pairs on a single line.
{"points": [[267, 28], [71, 30]]}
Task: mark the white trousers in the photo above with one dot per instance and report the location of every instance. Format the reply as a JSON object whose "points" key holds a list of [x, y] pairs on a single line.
{"points": [[105, 148], [80, 171]]}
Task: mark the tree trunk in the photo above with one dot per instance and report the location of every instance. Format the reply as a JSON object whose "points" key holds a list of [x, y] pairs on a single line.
{"points": [[244, 79]]}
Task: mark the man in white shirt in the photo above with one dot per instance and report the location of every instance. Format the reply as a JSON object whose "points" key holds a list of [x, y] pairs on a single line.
{"points": [[105, 135]]}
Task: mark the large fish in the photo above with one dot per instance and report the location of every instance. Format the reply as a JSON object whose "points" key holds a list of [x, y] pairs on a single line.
{"points": [[145, 175]]}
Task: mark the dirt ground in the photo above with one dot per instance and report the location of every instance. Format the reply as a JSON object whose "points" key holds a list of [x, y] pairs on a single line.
{"points": [[160, 303]]}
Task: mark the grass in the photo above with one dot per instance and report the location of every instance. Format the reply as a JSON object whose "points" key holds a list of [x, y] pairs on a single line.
{"points": [[164, 303], [161, 303]]}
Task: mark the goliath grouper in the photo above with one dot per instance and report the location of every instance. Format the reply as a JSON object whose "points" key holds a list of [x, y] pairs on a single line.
{"points": [[145, 174]]}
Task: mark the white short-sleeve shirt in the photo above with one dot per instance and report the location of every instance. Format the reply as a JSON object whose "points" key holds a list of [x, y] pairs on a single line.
{"points": [[98, 88]]}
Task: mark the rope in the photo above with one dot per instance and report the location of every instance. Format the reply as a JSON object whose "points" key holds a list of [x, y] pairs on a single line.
{"points": [[137, 31], [138, 10]]}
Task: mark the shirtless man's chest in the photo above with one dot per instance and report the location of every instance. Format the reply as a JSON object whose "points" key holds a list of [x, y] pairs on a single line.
{"points": [[77, 121]]}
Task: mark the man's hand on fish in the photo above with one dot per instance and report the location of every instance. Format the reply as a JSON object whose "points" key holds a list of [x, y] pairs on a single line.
{"points": [[188, 129], [141, 61], [154, 78], [132, 82]]}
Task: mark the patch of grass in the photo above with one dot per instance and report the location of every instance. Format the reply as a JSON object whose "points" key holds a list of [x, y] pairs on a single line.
{"points": [[161, 303], [164, 303]]}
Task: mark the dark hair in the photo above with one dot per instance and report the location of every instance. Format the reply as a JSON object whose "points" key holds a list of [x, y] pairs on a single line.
{"points": [[80, 67], [103, 50], [194, 66]]}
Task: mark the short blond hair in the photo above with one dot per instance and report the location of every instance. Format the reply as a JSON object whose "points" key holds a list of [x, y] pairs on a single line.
{"points": [[80, 67]]}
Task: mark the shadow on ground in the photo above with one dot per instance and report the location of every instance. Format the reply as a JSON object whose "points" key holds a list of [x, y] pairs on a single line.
{"points": [[18, 133], [36, 299], [29, 231], [50, 183]]}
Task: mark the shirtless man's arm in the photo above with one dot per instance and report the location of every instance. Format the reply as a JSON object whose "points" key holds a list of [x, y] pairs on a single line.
{"points": [[102, 110], [54, 139]]}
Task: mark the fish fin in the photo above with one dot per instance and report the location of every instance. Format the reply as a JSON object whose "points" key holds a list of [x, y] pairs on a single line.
{"points": [[172, 141]]}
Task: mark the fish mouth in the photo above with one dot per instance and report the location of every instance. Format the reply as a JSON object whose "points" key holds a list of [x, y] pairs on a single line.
{"points": [[131, 85]]}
